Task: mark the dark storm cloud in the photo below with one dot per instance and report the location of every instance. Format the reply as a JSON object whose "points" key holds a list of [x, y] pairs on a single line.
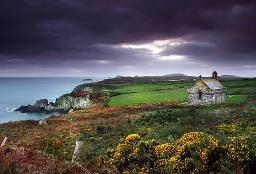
{"points": [[66, 33]]}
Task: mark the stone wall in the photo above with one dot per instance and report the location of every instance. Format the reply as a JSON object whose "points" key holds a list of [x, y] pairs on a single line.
{"points": [[219, 98], [193, 98]]}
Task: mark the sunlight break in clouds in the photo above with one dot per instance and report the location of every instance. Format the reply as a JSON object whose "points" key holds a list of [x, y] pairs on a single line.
{"points": [[157, 46], [102, 61], [172, 57]]}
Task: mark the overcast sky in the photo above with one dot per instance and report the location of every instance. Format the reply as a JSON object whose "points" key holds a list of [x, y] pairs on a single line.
{"points": [[127, 37]]}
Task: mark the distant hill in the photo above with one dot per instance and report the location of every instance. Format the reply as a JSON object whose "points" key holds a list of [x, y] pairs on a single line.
{"points": [[165, 78], [175, 75], [146, 79], [176, 78], [230, 77]]}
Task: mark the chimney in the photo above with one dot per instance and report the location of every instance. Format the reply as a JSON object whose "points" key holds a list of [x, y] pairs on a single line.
{"points": [[215, 75]]}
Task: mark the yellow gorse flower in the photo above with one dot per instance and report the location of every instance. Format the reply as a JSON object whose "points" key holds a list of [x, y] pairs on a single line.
{"points": [[227, 127], [132, 138], [240, 149], [163, 152], [192, 152]]}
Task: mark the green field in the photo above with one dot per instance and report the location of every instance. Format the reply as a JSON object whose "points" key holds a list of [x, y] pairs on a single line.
{"points": [[149, 93], [127, 94]]}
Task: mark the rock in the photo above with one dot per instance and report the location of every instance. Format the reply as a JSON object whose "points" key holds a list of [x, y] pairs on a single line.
{"points": [[3, 142], [71, 111], [41, 103], [63, 104], [38, 107], [69, 102], [30, 109], [83, 88], [88, 79], [79, 145], [22, 109], [42, 122]]}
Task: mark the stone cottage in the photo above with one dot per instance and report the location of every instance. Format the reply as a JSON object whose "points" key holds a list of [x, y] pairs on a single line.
{"points": [[206, 91]]}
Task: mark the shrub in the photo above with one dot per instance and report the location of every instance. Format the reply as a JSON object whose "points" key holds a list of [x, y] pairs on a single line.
{"points": [[239, 145], [195, 152], [227, 128], [162, 116], [163, 153], [133, 155], [60, 145], [241, 150]]}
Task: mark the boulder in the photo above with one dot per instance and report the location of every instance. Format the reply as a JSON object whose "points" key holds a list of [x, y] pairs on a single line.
{"points": [[38, 107], [3, 142], [43, 103], [30, 109], [71, 111], [79, 145], [42, 122]]}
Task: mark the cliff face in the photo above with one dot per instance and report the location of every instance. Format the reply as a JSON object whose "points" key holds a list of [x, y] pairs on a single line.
{"points": [[81, 97], [62, 104], [68, 102]]}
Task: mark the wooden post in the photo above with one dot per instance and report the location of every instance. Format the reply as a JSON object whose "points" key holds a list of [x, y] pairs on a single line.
{"points": [[78, 147], [4, 141]]}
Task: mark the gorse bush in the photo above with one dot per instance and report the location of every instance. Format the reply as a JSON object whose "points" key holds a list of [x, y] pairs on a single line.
{"points": [[132, 154], [195, 152], [240, 150], [233, 149], [163, 153], [239, 145]]}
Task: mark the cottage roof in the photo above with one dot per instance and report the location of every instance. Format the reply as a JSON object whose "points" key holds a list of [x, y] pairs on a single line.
{"points": [[213, 84]]}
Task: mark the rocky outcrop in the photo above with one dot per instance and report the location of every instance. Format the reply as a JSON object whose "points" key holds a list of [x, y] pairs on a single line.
{"points": [[81, 97], [62, 104], [68, 102], [38, 107], [41, 103]]}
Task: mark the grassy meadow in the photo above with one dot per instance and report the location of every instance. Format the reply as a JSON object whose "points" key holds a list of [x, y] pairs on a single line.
{"points": [[154, 113], [149, 93], [138, 93]]}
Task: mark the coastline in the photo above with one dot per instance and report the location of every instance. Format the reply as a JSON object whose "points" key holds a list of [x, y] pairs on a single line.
{"points": [[17, 91], [82, 96]]}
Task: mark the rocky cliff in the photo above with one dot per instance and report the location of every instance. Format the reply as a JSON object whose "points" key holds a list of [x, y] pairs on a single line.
{"points": [[67, 102], [81, 97], [62, 104]]}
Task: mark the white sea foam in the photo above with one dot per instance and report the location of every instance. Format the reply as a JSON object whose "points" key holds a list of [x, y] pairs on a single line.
{"points": [[10, 109]]}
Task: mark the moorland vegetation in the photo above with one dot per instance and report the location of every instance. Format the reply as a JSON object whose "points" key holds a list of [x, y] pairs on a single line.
{"points": [[142, 127]]}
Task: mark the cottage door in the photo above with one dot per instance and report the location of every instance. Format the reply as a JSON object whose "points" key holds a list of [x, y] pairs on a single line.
{"points": [[200, 95]]}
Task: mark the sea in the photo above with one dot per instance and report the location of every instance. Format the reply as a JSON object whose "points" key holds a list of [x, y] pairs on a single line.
{"points": [[17, 91]]}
